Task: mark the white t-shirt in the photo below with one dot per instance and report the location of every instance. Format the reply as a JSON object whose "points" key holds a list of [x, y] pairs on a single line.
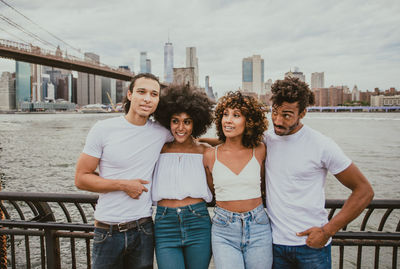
{"points": [[126, 151], [296, 168]]}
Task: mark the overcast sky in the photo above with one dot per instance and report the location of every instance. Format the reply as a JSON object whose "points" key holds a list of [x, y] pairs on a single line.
{"points": [[355, 42]]}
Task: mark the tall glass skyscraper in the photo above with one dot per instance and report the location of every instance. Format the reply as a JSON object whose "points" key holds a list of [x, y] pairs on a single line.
{"points": [[168, 62], [148, 66], [253, 74], [22, 83], [143, 58]]}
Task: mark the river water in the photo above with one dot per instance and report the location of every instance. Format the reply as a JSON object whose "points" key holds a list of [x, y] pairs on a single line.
{"points": [[38, 152]]}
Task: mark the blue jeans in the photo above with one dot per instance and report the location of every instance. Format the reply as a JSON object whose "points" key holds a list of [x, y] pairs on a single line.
{"points": [[183, 237], [241, 240], [130, 249], [302, 257]]}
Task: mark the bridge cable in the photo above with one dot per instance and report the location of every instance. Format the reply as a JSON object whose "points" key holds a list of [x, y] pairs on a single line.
{"points": [[20, 39], [19, 27], [78, 50]]}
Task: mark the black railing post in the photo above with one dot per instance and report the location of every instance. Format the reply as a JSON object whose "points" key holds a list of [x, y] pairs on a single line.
{"points": [[52, 249], [52, 242]]}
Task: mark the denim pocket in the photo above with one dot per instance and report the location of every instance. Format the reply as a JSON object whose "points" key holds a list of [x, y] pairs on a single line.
{"points": [[219, 220], [159, 216], [201, 213], [262, 218], [100, 236], [147, 228]]}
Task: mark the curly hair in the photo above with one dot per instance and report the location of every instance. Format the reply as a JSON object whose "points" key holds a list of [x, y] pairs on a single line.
{"points": [[292, 90], [176, 99], [256, 122]]}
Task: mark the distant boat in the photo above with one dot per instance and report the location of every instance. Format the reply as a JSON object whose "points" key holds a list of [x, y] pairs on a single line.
{"points": [[94, 108]]}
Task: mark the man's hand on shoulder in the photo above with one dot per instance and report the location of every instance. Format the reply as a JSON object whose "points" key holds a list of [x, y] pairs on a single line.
{"points": [[134, 187]]}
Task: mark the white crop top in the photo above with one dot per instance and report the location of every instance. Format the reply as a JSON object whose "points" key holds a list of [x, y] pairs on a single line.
{"points": [[180, 175], [230, 186]]}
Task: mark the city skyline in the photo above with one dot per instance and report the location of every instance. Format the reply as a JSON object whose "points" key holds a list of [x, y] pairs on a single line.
{"points": [[353, 43]]}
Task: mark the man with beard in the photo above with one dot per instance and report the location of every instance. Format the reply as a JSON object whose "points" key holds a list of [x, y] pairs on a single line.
{"points": [[298, 159]]}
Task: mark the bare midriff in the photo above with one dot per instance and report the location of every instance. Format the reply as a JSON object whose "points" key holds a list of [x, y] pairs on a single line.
{"points": [[240, 206], [179, 203]]}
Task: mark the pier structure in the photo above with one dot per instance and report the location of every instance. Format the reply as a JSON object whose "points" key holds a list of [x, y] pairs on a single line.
{"points": [[353, 108]]}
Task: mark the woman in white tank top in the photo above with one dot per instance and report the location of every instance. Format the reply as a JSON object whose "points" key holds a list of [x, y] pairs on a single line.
{"points": [[182, 223], [241, 232]]}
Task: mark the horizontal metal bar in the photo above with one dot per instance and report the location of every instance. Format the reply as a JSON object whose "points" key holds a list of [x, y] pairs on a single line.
{"points": [[74, 235], [47, 225], [365, 242], [21, 232], [88, 235], [49, 197], [376, 203], [368, 235]]}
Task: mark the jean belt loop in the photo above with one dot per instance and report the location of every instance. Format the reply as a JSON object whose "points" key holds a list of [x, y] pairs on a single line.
{"points": [[190, 208], [110, 231], [138, 225], [165, 211], [230, 216]]}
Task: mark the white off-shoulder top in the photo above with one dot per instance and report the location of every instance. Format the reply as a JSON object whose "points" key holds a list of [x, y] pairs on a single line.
{"points": [[180, 175]]}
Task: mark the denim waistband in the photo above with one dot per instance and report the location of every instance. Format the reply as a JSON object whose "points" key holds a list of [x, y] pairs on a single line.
{"points": [[236, 215], [175, 210]]}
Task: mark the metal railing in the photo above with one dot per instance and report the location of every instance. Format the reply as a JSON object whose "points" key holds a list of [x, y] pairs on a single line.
{"points": [[49, 230]]}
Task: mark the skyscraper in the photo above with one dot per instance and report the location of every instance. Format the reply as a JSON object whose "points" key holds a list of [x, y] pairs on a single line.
{"points": [[148, 66], [296, 74], [89, 85], [209, 89], [37, 94], [143, 58], [22, 83], [168, 62], [355, 94], [193, 61], [253, 74], [317, 80], [7, 92]]}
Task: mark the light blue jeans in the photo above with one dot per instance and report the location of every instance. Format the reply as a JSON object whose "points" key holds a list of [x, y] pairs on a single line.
{"points": [[241, 240]]}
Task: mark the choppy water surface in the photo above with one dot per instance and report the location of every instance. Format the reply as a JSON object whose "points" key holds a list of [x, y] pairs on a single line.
{"points": [[38, 152]]}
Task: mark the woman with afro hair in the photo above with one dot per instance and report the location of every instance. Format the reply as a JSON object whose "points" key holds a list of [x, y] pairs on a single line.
{"points": [[241, 232], [182, 223]]}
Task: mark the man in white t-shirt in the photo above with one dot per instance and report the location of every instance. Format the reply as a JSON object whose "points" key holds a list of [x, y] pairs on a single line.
{"points": [[125, 149], [298, 159]]}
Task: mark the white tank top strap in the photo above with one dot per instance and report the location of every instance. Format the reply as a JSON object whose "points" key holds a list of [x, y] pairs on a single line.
{"points": [[254, 151], [216, 149]]}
